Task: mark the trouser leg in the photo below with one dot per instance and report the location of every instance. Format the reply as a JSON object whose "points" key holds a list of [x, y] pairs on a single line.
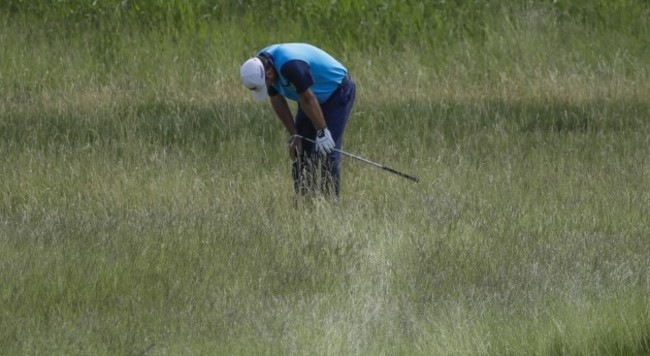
{"points": [[315, 173]]}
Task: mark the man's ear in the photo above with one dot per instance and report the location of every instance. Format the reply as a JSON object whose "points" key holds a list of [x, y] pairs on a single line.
{"points": [[269, 72]]}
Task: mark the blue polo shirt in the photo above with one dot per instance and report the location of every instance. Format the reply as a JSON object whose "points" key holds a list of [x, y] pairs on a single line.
{"points": [[302, 66]]}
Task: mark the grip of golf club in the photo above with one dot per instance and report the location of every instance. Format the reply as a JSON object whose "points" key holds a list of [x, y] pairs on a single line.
{"points": [[407, 176]]}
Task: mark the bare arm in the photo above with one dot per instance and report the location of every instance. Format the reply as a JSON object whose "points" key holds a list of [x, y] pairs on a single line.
{"points": [[283, 112], [309, 104]]}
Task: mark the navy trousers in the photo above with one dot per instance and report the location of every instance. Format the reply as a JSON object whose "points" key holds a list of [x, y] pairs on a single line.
{"points": [[311, 171]]}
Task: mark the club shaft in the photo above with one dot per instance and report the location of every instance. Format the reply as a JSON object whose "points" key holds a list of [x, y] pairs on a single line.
{"points": [[378, 165]]}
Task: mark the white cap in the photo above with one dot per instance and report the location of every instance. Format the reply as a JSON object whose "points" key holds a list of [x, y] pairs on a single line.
{"points": [[252, 76]]}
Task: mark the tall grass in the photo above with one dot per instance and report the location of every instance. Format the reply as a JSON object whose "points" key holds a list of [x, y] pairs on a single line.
{"points": [[146, 205], [346, 23]]}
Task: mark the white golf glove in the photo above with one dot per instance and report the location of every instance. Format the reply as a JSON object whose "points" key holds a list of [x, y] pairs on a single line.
{"points": [[324, 141]]}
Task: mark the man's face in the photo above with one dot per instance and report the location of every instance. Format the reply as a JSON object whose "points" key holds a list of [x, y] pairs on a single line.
{"points": [[269, 76]]}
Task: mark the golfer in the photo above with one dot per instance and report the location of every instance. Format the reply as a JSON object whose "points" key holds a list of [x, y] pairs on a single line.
{"points": [[325, 94]]}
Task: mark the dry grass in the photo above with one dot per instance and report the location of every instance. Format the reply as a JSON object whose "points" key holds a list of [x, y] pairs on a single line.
{"points": [[146, 204]]}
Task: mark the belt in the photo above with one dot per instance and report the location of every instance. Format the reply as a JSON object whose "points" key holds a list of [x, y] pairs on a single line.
{"points": [[345, 81]]}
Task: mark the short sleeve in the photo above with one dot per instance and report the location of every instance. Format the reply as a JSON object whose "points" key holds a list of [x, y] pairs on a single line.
{"points": [[297, 72]]}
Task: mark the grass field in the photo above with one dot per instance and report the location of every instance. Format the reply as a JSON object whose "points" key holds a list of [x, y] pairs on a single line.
{"points": [[146, 204]]}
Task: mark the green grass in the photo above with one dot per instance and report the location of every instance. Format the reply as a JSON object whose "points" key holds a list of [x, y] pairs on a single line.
{"points": [[146, 205]]}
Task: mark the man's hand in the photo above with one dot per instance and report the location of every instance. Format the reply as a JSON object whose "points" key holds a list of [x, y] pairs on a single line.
{"points": [[295, 146], [324, 141]]}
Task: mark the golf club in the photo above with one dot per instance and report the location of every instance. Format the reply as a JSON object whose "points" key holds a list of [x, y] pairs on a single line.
{"points": [[407, 176]]}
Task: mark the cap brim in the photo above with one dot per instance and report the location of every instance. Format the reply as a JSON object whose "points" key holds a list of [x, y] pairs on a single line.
{"points": [[260, 94]]}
